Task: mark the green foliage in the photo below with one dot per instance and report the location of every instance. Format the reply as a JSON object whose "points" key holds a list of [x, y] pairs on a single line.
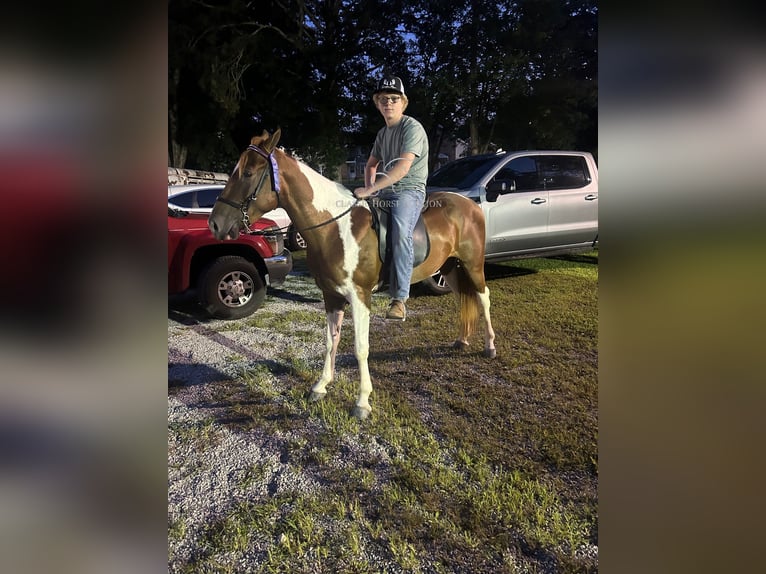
{"points": [[509, 74]]}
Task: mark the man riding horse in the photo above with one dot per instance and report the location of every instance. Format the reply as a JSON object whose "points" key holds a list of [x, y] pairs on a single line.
{"points": [[401, 148]]}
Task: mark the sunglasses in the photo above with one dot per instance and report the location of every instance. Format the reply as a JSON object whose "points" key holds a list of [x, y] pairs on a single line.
{"points": [[386, 99]]}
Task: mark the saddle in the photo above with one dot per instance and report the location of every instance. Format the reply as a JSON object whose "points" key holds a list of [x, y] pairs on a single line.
{"points": [[381, 217]]}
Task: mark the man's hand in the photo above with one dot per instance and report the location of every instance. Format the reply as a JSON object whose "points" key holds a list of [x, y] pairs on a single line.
{"points": [[363, 192]]}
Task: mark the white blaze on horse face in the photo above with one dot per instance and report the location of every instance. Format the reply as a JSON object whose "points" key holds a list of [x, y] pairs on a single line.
{"points": [[332, 197], [235, 171]]}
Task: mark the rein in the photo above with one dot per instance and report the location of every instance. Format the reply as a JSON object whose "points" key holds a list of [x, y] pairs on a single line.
{"points": [[274, 173], [320, 224], [283, 229]]}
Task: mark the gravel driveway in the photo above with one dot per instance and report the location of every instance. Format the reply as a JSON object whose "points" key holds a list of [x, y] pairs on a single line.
{"points": [[209, 464]]}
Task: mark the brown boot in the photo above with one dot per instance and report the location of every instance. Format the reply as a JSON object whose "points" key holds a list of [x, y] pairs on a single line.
{"points": [[397, 311]]}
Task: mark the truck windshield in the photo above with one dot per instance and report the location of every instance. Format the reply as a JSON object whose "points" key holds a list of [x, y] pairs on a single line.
{"points": [[462, 173]]}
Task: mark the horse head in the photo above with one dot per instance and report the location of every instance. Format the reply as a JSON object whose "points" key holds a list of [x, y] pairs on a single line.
{"points": [[252, 188]]}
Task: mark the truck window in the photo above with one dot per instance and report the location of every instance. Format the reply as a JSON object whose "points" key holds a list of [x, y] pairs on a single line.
{"points": [[563, 171], [462, 173], [206, 197], [523, 171], [183, 200]]}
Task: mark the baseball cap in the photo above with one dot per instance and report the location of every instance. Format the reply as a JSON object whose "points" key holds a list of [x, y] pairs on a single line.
{"points": [[390, 84]]}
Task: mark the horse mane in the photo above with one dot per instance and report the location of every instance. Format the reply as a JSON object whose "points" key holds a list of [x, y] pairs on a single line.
{"points": [[314, 174]]}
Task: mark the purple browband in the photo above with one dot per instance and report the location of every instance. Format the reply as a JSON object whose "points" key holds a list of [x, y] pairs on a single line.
{"points": [[274, 167]]}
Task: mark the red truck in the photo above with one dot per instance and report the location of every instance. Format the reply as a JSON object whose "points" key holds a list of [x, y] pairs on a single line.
{"points": [[229, 278]]}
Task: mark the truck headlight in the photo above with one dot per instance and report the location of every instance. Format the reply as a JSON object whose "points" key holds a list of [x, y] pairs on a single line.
{"points": [[275, 238]]}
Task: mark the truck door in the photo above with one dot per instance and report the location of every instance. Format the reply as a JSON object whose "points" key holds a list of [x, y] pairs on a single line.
{"points": [[517, 221], [573, 196]]}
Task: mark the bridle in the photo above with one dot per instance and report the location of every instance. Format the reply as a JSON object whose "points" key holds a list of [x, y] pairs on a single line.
{"points": [[274, 173]]}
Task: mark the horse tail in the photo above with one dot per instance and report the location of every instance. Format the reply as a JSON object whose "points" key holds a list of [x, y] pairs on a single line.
{"points": [[469, 303]]}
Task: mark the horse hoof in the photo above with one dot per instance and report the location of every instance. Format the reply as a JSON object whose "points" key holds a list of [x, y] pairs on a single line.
{"points": [[490, 353], [361, 412], [460, 346], [316, 397]]}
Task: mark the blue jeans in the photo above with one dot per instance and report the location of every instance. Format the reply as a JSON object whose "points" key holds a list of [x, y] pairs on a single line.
{"points": [[406, 206]]}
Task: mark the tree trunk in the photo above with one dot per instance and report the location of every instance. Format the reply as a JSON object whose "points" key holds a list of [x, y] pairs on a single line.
{"points": [[176, 152], [179, 155], [474, 131], [435, 152]]}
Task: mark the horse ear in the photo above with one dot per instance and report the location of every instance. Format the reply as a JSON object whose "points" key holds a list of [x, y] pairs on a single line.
{"points": [[257, 140], [275, 139], [266, 141]]}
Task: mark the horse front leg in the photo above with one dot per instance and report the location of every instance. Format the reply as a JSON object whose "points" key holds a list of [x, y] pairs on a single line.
{"points": [[334, 323], [361, 316]]}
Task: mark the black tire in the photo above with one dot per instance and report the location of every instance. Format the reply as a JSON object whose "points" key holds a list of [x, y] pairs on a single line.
{"points": [[436, 284], [295, 241], [230, 287]]}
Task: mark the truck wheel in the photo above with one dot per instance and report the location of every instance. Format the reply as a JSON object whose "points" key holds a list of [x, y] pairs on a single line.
{"points": [[231, 288], [295, 240], [436, 284]]}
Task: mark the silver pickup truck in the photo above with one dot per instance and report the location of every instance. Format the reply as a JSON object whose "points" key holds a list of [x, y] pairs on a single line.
{"points": [[535, 203]]}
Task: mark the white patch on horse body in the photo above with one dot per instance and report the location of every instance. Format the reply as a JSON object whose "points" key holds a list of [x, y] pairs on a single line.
{"points": [[332, 197]]}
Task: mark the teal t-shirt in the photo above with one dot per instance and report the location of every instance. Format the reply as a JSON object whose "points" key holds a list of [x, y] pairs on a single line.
{"points": [[391, 142]]}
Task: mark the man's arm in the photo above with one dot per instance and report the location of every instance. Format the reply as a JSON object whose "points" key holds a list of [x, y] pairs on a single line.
{"points": [[369, 170], [374, 184]]}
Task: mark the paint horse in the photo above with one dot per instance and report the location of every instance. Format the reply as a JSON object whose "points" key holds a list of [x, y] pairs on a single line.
{"points": [[342, 247]]}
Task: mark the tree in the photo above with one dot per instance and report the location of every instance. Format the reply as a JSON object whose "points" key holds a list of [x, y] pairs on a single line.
{"points": [[312, 78], [213, 47], [510, 73], [557, 108], [468, 59]]}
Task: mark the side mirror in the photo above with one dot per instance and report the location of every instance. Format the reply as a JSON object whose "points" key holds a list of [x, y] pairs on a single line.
{"points": [[497, 187]]}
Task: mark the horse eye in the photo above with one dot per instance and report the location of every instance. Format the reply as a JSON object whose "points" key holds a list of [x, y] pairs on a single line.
{"points": [[247, 173]]}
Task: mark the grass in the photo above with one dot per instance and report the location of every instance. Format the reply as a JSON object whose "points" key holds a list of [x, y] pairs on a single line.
{"points": [[466, 464]]}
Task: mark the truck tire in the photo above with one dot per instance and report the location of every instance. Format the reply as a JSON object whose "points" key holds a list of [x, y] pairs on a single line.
{"points": [[230, 287], [436, 284], [295, 241]]}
